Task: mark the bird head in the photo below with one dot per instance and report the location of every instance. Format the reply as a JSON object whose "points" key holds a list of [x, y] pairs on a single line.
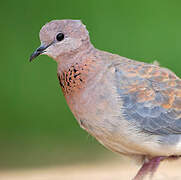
{"points": [[61, 37]]}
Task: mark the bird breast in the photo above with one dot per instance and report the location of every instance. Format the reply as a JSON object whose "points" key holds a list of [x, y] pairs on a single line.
{"points": [[96, 105]]}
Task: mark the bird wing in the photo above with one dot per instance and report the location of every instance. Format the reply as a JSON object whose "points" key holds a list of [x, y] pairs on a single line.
{"points": [[151, 97]]}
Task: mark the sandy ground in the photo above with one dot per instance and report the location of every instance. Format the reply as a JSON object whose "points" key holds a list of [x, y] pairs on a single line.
{"points": [[114, 170]]}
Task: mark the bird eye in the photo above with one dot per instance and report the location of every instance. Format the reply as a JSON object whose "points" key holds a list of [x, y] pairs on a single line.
{"points": [[60, 36]]}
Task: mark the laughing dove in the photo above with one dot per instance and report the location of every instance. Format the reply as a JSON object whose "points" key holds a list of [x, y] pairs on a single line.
{"points": [[132, 108]]}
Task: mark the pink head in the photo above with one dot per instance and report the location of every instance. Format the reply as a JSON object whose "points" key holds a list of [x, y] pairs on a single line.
{"points": [[62, 37]]}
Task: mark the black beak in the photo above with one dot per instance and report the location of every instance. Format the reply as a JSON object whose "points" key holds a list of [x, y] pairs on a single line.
{"points": [[38, 51]]}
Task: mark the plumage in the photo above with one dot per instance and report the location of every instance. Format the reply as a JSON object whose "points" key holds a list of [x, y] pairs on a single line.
{"points": [[151, 97], [130, 107]]}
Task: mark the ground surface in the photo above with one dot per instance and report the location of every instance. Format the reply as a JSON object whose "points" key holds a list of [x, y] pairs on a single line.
{"points": [[109, 170]]}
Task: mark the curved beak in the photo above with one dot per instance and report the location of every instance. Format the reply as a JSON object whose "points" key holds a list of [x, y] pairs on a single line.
{"points": [[38, 51]]}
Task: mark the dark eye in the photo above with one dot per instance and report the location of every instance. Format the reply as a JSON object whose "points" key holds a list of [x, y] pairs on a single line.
{"points": [[60, 36]]}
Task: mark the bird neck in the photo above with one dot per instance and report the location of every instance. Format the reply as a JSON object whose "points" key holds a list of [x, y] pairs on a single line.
{"points": [[75, 71], [65, 61]]}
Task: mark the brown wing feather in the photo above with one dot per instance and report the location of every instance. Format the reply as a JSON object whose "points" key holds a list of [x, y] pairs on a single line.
{"points": [[151, 96]]}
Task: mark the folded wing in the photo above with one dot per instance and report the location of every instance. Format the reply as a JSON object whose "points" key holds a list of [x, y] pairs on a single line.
{"points": [[151, 97]]}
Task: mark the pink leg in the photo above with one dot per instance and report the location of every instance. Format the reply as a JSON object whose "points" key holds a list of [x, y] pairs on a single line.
{"points": [[154, 165], [148, 167]]}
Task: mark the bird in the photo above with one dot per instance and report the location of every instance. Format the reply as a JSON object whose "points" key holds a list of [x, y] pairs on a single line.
{"points": [[131, 107]]}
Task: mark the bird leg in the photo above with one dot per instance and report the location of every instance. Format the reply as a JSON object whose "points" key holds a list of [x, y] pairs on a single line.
{"points": [[149, 167], [154, 165]]}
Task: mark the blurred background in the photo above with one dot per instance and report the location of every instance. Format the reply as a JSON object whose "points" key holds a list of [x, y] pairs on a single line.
{"points": [[37, 128]]}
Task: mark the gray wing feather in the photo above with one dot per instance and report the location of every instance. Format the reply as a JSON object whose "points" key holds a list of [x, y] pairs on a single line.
{"points": [[154, 120], [149, 115]]}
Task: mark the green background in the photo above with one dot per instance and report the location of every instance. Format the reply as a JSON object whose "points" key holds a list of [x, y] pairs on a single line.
{"points": [[36, 125]]}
